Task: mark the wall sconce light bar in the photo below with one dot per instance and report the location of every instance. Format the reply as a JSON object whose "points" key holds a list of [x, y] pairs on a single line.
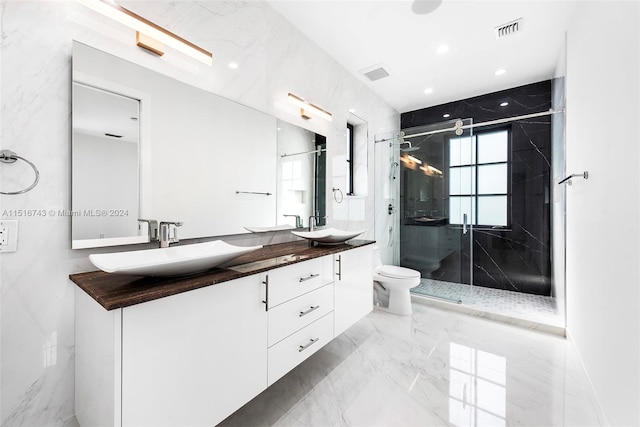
{"points": [[151, 44], [124, 16], [434, 170], [307, 107], [414, 159], [430, 170]]}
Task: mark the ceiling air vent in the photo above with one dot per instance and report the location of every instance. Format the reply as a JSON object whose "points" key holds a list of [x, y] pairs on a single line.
{"points": [[508, 29], [376, 73]]}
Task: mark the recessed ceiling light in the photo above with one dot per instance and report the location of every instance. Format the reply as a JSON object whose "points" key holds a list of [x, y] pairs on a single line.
{"points": [[504, 104], [500, 71], [446, 116], [443, 48], [233, 65], [428, 91]]}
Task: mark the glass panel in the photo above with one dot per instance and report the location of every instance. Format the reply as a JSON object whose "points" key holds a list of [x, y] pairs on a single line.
{"points": [[493, 147], [462, 180], [492, 179], [492, 210], [434, 197], [462, 151], [458, 207]]}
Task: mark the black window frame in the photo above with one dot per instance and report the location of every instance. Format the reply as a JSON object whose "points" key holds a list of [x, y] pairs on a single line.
{"points": [[351, 152], [475, 196]]}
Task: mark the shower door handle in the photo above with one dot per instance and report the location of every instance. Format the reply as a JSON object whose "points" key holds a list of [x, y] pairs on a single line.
{"points": [[464, 224]]}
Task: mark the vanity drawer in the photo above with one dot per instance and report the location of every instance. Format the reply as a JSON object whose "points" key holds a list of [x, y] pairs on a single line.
{"points": [[297, 313], [291, 351], [288, 282]]}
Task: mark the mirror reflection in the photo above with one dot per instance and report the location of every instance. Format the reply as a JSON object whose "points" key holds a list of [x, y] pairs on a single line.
{"points": [[422, 163], [105, 167], [202, 160], [302, 161]]}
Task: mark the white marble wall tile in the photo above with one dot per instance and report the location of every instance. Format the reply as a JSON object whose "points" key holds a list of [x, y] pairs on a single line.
{"points": [[37, 374]]}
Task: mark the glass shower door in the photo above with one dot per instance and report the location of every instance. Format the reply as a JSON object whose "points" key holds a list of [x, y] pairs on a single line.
{"points": [[438, 208]]}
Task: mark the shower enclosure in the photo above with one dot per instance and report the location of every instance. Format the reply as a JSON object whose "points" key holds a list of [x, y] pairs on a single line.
{"points": [[467, 204]]}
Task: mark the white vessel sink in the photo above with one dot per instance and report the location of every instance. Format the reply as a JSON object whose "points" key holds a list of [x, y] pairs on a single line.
{"points": [[328, 236], [172, 261]]}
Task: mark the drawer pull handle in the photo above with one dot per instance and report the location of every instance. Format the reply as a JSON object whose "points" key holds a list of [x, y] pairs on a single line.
{"points": [[266, 293], [311, 276], [312, 308], [307, 345]]}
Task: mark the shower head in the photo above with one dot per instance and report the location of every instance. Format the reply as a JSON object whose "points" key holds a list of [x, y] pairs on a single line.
{"points": [[406, 147]]}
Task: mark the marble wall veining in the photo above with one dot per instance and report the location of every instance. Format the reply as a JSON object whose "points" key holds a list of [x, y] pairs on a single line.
{"points": [[36, 296], [519, 258]]}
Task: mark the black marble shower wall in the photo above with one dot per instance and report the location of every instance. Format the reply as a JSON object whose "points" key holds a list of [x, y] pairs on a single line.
{"points": [[517, 258]]}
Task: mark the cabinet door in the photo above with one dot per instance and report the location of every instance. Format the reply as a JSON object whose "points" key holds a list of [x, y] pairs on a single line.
{"points": [[194, 358], [353, 287]]}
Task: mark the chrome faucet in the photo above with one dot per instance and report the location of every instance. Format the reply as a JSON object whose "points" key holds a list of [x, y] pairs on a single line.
{"points": [[169, 233], [152, 228], [298, 220], [312, 221]]}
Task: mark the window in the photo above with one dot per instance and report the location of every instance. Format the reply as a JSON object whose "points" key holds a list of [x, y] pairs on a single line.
{"points": [[350, 152], [479, 179]]}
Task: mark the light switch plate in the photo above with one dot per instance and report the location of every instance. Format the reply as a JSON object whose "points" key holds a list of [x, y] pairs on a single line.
{"points": [[8, 236]]}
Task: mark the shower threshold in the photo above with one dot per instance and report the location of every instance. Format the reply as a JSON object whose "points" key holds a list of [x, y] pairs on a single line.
{"points": [[525, 310]]}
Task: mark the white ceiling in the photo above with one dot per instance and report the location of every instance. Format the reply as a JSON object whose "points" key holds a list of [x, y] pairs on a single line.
{"points": [[360, 34]]}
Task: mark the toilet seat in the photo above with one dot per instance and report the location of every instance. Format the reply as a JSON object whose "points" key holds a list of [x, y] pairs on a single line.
{"points": [[395, 272]]}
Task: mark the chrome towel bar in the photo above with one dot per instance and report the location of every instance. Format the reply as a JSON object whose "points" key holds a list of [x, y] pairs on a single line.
{"points": [[585, 175], [253, 192]]}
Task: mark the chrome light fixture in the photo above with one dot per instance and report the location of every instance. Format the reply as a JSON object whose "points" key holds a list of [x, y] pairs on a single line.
{"points": [[306, 108], [149, 35]]}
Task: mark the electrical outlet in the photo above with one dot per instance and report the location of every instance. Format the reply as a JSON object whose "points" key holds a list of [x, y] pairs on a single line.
{"points": [[8, 236]]}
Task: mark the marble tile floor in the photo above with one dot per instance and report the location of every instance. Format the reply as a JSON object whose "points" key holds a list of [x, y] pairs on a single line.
{"points": [[535, 308], [433, 368]]}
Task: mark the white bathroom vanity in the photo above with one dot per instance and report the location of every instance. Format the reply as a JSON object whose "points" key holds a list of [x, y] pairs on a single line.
{"points": [[193, 350]]}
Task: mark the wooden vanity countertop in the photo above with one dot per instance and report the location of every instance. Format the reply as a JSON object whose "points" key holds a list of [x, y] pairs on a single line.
{"points": [[114, 291]]}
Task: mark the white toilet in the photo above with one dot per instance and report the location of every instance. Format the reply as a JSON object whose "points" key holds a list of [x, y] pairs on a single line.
{"points": [[396, 282]]}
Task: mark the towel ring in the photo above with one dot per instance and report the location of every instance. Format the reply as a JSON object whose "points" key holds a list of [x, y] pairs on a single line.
{"points": [[337, 190], [8, 156]]}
